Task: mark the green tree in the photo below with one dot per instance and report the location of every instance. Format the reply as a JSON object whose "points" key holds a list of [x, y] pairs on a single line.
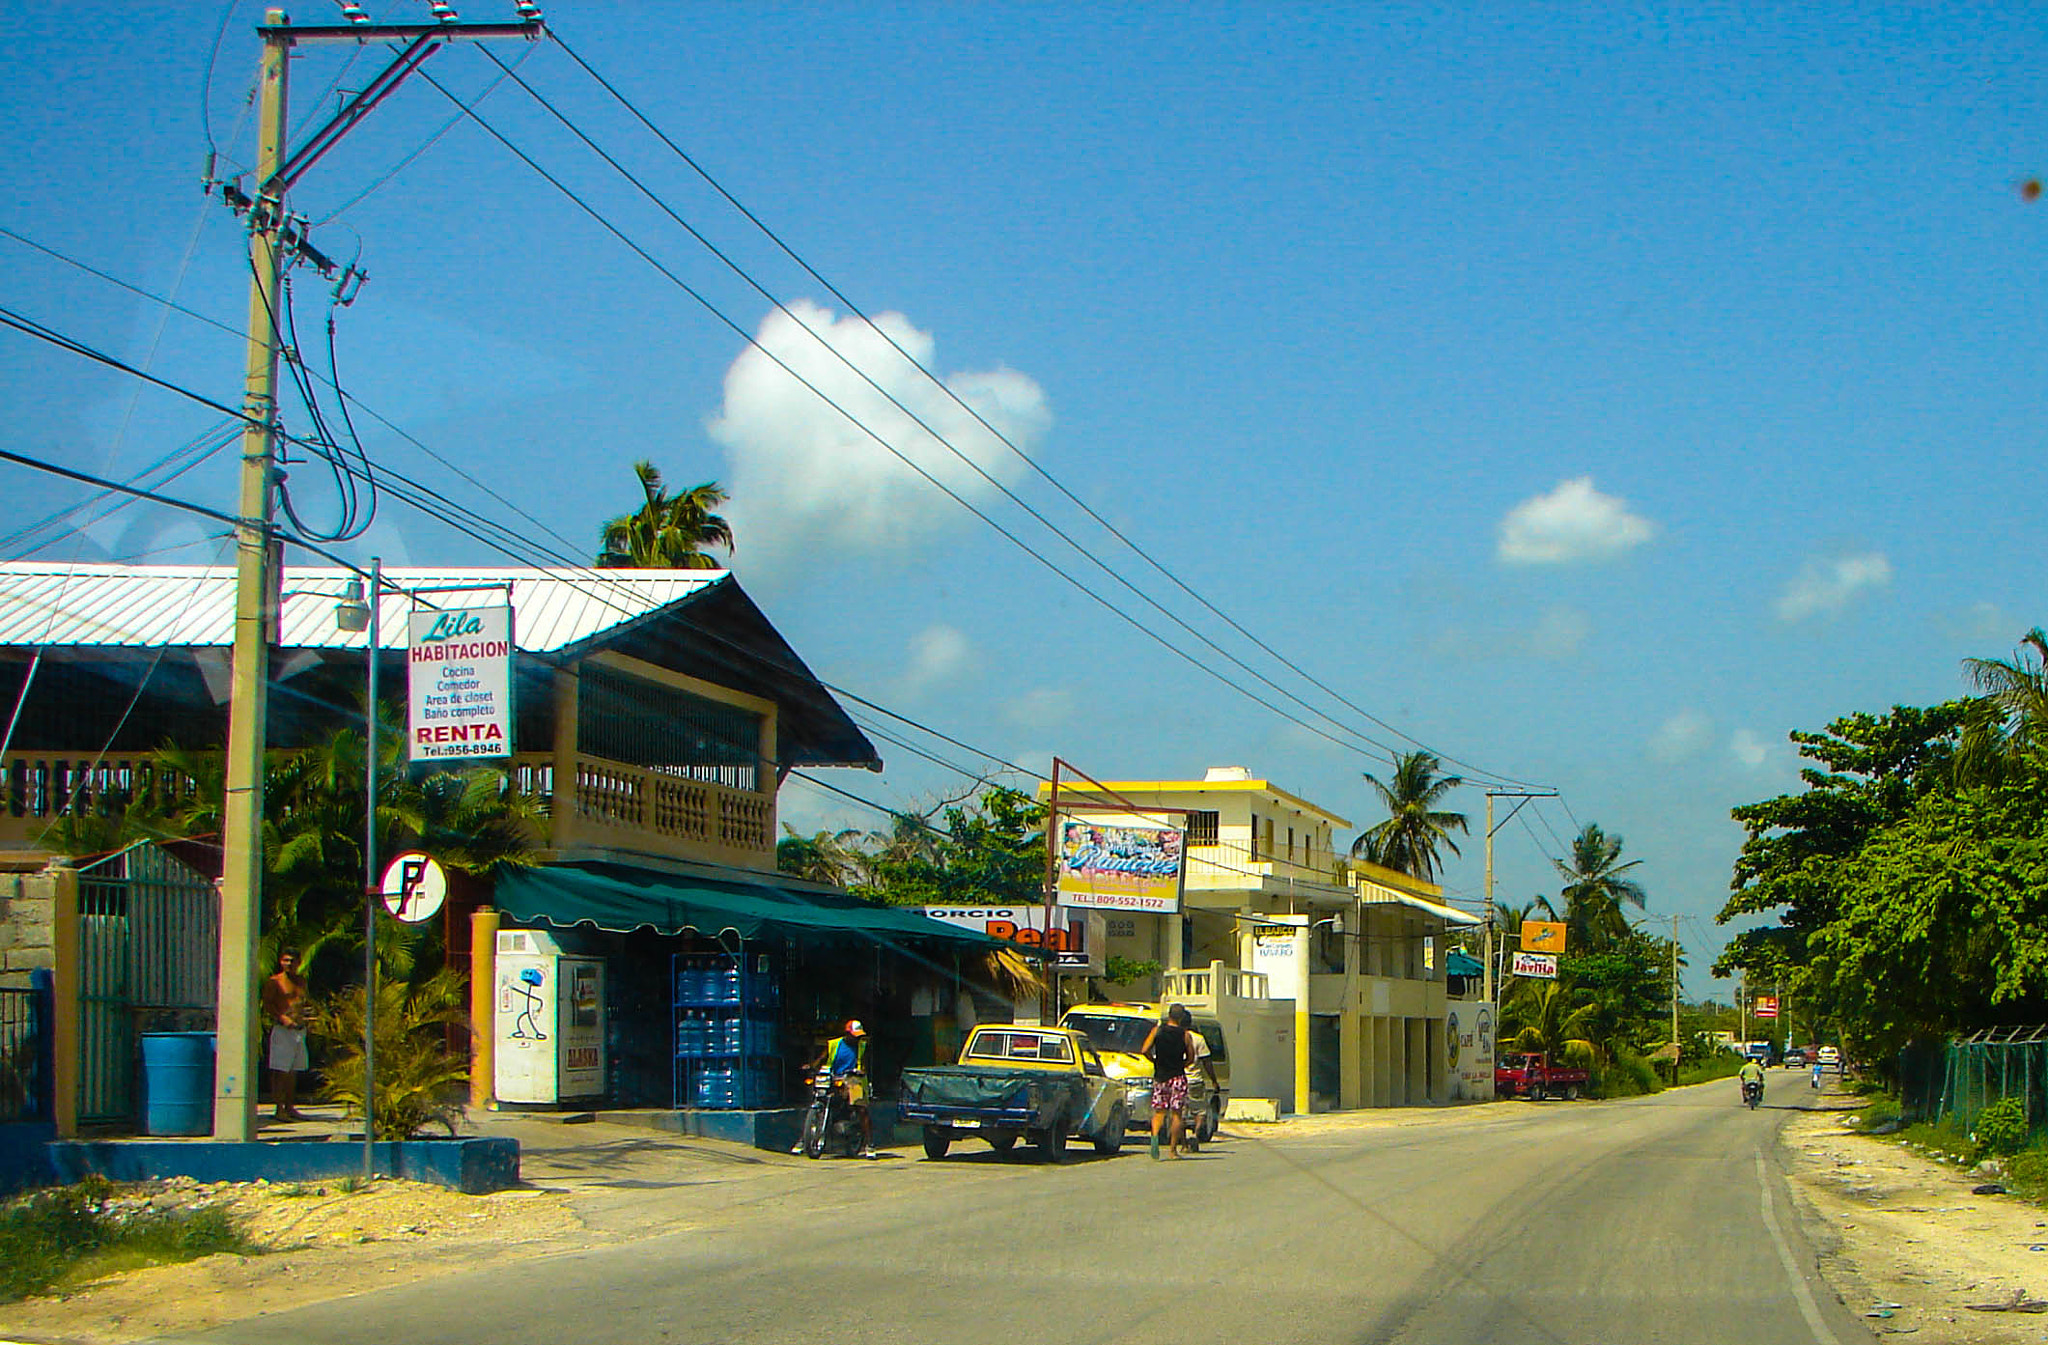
{"points": [[989, 849], [1550, 1016], [1416, 827], [2009, 720], [667, 532], [1870, 771], [841, 858], [1596, 888]]}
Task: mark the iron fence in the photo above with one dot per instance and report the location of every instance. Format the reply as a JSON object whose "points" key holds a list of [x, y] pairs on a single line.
{"points": [[1956, 1081], [22, 1055]]}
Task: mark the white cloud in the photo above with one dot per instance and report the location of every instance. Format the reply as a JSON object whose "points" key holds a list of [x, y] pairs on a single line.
{"points": [[1044, 708], [937, 653], [806, 480], [1685, 734], [1827, 586], [1558, 633], [1982, 621], [1571, 524], [1748, 749]]}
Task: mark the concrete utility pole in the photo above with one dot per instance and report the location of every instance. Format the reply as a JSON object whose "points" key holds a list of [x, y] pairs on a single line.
{"points": [[272, 235], [1524, 795], [234, 1086], [1674, 1000]]}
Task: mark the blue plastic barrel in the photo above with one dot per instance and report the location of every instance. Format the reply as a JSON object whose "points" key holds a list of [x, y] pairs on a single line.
{"points": [[177, 1083]]}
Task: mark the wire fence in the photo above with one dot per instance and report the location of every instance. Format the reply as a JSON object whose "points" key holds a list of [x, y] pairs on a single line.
{"points": [[1955, 1081]]}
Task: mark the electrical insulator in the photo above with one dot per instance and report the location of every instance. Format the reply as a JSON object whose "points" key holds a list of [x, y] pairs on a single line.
{"points": [[528, 10], [353, 13], [443, 11]]}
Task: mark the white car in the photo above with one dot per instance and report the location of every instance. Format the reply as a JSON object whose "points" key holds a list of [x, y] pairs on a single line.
{"points": [[1829, 1055]]}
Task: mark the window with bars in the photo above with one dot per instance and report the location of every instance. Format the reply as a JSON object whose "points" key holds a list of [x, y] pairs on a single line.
{"points": [[640, 723], [1202, 827]]}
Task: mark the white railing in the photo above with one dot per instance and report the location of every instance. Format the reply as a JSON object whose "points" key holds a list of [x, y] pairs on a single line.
{"points": [[1214, 981]]}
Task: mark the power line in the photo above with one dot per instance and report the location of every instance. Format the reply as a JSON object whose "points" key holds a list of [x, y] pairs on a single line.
{"points": [[941, 385]]}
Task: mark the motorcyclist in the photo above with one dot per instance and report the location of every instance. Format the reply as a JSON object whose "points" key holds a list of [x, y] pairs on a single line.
{"points": [[1751, 1073], [845, 1058]]}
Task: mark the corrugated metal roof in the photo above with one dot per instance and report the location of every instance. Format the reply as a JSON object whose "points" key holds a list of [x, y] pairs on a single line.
{"points": [[147, 606]]}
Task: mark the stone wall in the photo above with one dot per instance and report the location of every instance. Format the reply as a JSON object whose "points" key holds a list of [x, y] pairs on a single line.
{"points": [[28, 904]]}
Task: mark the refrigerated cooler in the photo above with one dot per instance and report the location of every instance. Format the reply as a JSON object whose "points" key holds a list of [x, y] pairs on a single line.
{"points": [[549, 1021]]}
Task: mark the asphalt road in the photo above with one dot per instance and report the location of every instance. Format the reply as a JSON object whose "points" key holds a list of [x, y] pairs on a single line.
{"points": [[1651, 1220]]}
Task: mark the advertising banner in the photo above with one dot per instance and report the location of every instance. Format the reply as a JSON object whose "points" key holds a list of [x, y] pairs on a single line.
{"points": [[1468, 1050], [1120, 861], [1542, 966], [1076, 947], [1543, 936], [1764, 1006], [1280, 951], [459, 675]]}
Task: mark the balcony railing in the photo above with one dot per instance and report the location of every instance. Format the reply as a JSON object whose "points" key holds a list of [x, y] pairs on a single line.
{"points": [[610, 804]]}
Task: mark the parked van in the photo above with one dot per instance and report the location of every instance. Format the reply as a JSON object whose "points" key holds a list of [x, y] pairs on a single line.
{"points": [[1118, 1032]]}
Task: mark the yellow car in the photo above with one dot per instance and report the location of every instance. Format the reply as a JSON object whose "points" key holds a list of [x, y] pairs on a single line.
{"points": [[1118, 1032]]}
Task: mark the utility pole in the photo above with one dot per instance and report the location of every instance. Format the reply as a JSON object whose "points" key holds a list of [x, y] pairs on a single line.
{"points": [[274, 237], [1524, 795], [1674, 1000], [234, 1088]]}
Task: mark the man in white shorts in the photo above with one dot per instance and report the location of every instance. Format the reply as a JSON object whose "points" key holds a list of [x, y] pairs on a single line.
{"points": [[284, 1001]]}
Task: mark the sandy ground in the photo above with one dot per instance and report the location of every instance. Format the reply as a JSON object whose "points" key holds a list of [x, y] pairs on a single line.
{"points": [[1907, 1246]]}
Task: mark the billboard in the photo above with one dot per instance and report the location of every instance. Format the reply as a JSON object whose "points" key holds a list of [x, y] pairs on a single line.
{"points": [[1542, 966], [1116, 861], [1468, 1050], [459, 676], [1075, 946], [1543, 936], [1764, 1006]]}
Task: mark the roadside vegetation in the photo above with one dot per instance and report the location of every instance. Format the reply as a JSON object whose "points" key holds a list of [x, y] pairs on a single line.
{"points": [[71, 1235]]}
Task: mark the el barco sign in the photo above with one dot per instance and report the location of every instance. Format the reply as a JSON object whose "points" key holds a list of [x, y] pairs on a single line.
{"points": [[459, 675]]}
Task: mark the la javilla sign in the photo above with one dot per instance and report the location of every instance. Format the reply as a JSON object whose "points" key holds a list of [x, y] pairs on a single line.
{"points": [[459, 666]]}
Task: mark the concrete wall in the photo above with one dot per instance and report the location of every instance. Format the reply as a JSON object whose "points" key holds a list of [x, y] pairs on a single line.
{"points": [[27, 924]]}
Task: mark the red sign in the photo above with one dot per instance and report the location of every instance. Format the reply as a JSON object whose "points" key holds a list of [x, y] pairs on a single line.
{"points": [[1764, 1006]]}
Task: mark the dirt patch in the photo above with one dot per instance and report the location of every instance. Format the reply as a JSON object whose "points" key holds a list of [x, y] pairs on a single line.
{"points": [[1907, 1240], [321, 1242]]}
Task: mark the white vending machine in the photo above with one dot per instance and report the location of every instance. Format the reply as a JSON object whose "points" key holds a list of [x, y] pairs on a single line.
{"points": [[549, 1021]]}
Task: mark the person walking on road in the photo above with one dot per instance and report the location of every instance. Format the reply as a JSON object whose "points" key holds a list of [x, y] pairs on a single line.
{"points": [[1170, 1047]]}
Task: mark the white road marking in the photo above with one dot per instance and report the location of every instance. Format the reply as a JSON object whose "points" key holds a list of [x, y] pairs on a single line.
{"points": [[1807, 1307]]}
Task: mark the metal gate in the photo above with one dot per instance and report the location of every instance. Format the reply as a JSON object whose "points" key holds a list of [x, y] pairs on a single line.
{"points": [[149, 960]]}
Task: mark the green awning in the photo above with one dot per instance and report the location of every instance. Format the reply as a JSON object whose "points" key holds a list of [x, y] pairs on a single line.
{"points": [[622, 898], [1458, 962]]}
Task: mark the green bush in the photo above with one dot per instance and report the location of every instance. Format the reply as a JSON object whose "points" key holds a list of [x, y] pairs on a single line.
{"points": [[1625, 1075], [1722, 1064], [49, 1234], [2002, 1127], [2026, 1174], [1877, 1111]]}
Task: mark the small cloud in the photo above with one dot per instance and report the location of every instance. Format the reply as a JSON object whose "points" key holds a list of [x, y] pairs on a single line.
{"points": [[1558, 633], [1748, 749], [1982, 622], [1042, 708], [1686, 734], [1827, 586], [937, 653], [1571, 524]]}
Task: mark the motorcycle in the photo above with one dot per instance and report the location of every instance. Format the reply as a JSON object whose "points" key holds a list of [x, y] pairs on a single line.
{"points": [[1752, 1093], [829, 1123]]}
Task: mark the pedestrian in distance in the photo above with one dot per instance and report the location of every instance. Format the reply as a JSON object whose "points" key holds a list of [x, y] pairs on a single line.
{"points": [[1170, 1046], [284, 1004]]}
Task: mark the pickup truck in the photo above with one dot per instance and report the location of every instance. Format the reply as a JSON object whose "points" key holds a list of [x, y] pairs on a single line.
{"points": [[1531, 1075], [1042, 1084]]}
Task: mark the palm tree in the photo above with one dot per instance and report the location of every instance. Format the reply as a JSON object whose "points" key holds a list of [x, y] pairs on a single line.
{"points": [[840, 858], [1408, 840], [2011, 718], [1540, 1016], [667, 532], [1596, 889]]}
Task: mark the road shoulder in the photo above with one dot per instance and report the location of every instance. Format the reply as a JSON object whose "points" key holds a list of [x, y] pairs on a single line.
{"points": [[1903, 1237]]}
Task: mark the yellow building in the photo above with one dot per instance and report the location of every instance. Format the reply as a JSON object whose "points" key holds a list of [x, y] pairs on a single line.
{"points": [[1358, 948]]}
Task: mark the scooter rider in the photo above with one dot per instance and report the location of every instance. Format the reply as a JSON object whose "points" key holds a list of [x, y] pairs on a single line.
{"points": [[1751, 1073], [846, 1058]]}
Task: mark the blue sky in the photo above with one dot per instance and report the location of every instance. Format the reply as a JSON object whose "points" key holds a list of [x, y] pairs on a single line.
{"points": [[1595, 397]]}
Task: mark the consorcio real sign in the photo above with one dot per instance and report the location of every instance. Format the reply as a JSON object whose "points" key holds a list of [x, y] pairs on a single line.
{"points": [[459, 674], [1120, 862]]}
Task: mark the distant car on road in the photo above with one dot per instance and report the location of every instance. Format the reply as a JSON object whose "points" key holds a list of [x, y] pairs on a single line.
{"points": [[1795, 1057], [1830, 1055]]}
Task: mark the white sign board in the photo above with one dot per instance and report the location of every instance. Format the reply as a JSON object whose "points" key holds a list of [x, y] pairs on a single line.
{"points": [[1280, 950], [1468, 1050], [1076, 937], [1543, 966], [414, 887], [459, 673]]}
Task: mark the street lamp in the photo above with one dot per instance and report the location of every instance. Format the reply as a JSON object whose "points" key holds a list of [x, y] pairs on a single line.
{"points": [[355, 613]]}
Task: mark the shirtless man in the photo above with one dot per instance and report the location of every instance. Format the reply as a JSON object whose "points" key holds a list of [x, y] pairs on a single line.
{"points": [[284, 1000]]}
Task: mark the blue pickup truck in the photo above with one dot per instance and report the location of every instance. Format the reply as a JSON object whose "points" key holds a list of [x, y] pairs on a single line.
{"points": [[1042, 1084]]}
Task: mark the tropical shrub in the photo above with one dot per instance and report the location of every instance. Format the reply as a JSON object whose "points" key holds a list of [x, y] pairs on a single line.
{"points": [[419, 1078], [2002, 1127]]}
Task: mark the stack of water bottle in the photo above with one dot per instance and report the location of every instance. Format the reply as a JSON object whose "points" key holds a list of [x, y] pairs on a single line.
{"points": [[726, 1035]]}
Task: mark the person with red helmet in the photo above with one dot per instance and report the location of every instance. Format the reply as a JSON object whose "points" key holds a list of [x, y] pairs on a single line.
{"points": [[846, 1058]]}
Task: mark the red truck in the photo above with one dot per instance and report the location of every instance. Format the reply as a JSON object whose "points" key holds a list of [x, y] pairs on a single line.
{"points": [[1531, 1075]]}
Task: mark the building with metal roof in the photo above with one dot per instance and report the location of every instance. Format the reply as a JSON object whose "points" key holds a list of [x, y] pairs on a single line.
{"points": [[656, 710]]}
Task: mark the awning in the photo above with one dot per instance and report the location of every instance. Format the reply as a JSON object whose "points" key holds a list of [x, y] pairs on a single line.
{"points": [[622, 898], [1458, 962], [1371, 893]]}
